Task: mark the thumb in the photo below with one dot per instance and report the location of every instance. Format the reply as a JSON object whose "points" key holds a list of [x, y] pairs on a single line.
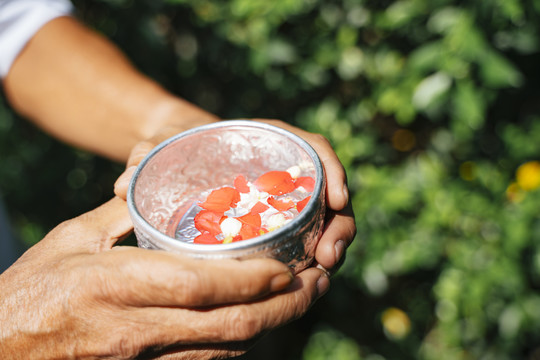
{"points": [[122, 183], [96, 230]]}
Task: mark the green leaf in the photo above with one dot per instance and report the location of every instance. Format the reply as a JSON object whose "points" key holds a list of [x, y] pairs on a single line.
{"points": [[430, 89], [469, 105], [498, 72]]}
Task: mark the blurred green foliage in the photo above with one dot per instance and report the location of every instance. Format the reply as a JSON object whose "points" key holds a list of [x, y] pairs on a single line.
{"points": [[432, 106]]}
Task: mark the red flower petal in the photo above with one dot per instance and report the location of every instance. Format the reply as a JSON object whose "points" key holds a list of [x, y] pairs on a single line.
{"points": [[306, 182], [251, 226], [220, 200], [237, 238], [206, 238], [258, 208], [302, 204], [241, 184], [280, 205], [253, 220], [248, 232], [208, 221], [275, 183]]}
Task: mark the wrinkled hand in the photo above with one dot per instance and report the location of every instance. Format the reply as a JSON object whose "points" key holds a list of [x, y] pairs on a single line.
{"points": [[74, 295], [339, 229]]}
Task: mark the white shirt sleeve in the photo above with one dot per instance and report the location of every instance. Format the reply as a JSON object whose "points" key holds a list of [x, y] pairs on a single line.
{"points": [[20, 20]]}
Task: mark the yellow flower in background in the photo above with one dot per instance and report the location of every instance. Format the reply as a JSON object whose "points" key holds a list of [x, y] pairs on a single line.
{"points": [[528, 175], [396, 323]]}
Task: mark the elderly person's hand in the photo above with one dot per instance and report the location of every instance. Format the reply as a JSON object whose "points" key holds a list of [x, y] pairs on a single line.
{"points": [[340, 227], [74, 295]]}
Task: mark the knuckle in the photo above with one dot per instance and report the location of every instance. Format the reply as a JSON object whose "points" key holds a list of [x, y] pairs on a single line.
{"points": [[352, 230], [252, 287], [302, 302], [193, 288], [243, 323], [64, 230], [64, 236], [321, 139], [95, 286], [124, 346]]}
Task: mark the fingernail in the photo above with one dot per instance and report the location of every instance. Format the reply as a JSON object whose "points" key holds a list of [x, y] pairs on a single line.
{"points": [[339, 247], [346, 193], [281, 281], [320, 267], [323, 284]]}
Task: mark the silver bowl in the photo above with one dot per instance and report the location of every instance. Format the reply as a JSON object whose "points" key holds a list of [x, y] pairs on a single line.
{"points": [[175, 174]]}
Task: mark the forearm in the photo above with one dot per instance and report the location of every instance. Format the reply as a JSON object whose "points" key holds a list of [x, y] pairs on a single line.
{"points": [[80, 88]]}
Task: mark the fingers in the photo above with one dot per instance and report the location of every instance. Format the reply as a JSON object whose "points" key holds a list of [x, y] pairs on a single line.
{"points": [[201, 352], [122, 183], [139, 151], [137, 154], [138, 277], [236, 322], [340, 230], [337, 193], [94, 231]]}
